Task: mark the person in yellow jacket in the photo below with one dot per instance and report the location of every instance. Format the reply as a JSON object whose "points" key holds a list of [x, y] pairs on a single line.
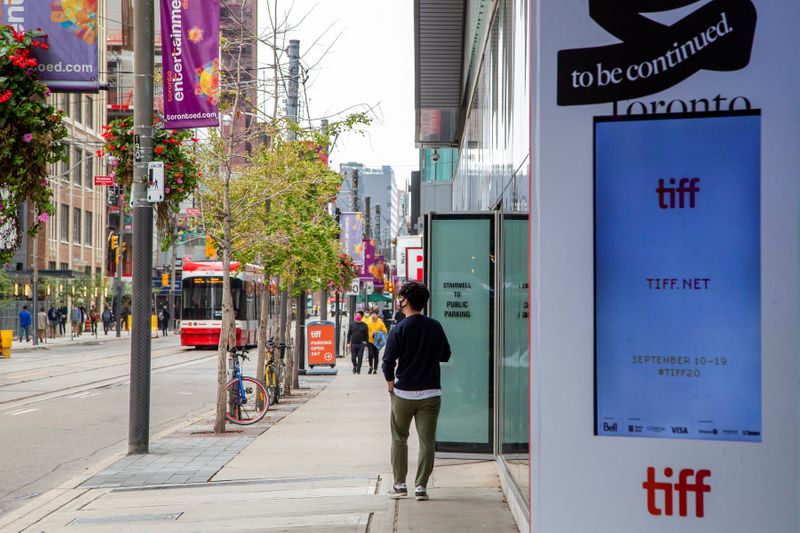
{"points": [[374, 324]]}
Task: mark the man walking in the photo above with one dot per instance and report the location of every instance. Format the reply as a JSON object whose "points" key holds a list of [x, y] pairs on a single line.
{"points": [[357, 336], [52, 318], [25, 324], [416, 346], [164, 317], [374, 324], [106, 320]]}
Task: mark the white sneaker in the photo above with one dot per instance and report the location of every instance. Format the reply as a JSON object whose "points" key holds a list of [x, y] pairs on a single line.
{"points": [[421, 493], [398, 490]]}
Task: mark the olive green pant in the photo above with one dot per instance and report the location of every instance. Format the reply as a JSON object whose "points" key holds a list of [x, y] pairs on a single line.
{"points": [[425, 414]]}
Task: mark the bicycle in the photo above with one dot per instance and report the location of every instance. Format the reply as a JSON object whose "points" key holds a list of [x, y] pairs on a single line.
{"points": [[272, 372], [248, 399]]}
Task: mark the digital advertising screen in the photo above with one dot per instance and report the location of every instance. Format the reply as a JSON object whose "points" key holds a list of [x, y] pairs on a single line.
{"points": [[677, 276]]}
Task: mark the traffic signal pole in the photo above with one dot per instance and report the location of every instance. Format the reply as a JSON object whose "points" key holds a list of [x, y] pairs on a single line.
{"points": [[143, 51]]}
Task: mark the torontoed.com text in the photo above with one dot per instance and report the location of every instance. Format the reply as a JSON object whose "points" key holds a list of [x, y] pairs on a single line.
{"points": [[65, 67]]}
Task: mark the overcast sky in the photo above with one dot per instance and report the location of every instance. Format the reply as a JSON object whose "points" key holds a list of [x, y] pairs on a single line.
{"points": [[371, 63]]}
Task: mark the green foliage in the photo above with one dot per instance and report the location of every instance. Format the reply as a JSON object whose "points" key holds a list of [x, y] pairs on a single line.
{"points": [[31, 136], [279, 206], [173, 147]]}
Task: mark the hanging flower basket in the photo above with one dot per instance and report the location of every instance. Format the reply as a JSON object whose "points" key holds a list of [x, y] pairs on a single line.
{"points": [[31, 138], [173, 147]]}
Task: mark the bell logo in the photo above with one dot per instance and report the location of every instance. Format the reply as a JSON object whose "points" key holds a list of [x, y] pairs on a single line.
{"points": [[683, 487]]}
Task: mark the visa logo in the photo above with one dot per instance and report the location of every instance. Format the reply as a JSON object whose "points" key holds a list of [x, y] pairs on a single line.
{"points": [[679, 429]]}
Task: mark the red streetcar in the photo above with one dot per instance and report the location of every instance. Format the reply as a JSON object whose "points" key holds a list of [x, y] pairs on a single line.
{"points": [[201, 297]]}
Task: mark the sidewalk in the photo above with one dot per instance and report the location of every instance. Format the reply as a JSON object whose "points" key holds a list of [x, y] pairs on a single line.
{"points": [[86, 339], [324, 467]]}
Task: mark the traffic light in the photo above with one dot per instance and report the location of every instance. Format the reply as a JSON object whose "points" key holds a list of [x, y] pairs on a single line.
{"points": [[165, 280], [211, 250], [124, 246], [114, 241]]}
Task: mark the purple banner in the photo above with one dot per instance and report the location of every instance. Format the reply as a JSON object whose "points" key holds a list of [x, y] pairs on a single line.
{"points": [[352, 236], [70, 61], [373, 267], [190, 47]]}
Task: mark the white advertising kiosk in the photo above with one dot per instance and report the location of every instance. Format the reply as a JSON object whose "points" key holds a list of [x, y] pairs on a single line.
{"points": [[664, 266]]}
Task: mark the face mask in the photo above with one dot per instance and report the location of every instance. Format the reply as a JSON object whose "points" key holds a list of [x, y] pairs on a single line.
{"points": [[358, 319]]}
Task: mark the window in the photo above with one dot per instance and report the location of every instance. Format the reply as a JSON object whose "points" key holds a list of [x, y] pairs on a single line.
{"points": [[88, 228], [64, 266], [52, 223], [65, 222], [77, 166], [88, 178], [76, 225], [63, 172], [78, 108], [90, 112], [65, 104], [51, 265], [87, 270]]}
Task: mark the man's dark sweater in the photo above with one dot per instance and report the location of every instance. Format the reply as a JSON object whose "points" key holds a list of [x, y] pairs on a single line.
{"points": [[417, 345], [357, 333]]}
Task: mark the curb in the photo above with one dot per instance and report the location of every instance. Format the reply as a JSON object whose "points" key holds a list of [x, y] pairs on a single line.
{"points": [[52, 500], [81, 342]]}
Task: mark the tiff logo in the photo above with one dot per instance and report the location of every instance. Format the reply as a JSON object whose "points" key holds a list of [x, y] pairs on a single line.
{"points": [[683, 487], [667, 195]]}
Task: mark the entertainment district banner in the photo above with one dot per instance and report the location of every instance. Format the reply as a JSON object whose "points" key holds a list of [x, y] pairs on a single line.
{"points": [[70, 61], [190, 47]]}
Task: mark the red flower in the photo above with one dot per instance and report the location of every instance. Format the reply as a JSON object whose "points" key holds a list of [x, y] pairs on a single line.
{"points": [[159, 150], [6, 96]]}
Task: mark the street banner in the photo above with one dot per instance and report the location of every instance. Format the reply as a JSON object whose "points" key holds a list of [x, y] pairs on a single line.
{"points": [[373, 267], [190, 48], [352, 236], [104, 181], [69, 62]]}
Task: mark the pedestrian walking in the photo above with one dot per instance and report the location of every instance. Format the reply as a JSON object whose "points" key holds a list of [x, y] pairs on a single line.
{"points": [[75, 319], [25, 324], [84, 319], [374, 323], [107, 318], [124, 316], [41, 324], [398, 315], [52, 319], [163, 318], [94, 318], [357, 337], [411, 361], [62, 319]]}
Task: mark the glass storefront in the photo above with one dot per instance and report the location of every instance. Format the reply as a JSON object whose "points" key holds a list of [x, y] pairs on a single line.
{"points": [[492, 173]]}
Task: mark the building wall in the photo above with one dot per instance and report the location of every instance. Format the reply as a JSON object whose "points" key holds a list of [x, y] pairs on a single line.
{"points": [[493, 166], [492, 173]]}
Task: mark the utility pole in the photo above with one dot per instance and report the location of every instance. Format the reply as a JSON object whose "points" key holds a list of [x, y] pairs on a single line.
{"points": [[292, 91], [378, 241], [35, 285], [143, 51], [118, 257], [351, 300], [367, 218], [171, 324], [355, 189]]}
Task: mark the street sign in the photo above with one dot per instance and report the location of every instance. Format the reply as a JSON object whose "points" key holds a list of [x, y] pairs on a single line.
{"points": [[155, 173], [106, 181], [369, 286], [355, 286], [415, 260], [192, 211], [320, 352]]}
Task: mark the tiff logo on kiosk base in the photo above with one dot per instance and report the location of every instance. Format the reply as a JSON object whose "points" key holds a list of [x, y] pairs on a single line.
{"points": [[683, 487]]}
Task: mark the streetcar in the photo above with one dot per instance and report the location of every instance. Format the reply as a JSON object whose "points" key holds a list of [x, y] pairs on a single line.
{"points": [[201, 302]]}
